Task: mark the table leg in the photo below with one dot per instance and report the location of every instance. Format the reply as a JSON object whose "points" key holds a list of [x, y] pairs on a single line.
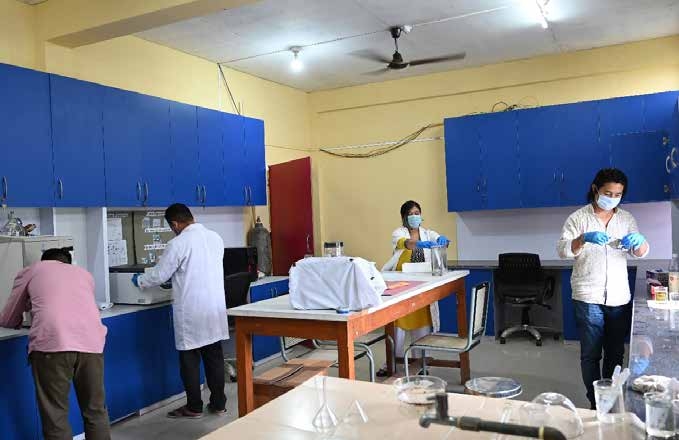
{"points": [[345, 350], [390, 330], [246, 398], [462, 329]]}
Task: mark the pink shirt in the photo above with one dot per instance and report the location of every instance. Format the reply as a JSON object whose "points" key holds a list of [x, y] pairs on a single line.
{"points": [[61, 300]]}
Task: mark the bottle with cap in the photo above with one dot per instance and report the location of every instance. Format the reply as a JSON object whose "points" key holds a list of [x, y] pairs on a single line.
{"points": [[673, 285]]}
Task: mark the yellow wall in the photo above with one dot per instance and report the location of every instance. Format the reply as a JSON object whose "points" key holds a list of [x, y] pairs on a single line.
{"points": [[17, 37], [361, 197]]}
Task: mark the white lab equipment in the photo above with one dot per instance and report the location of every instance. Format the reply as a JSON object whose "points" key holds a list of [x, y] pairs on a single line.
{"points": [[338, 283], [19, 252], [124, 292]]}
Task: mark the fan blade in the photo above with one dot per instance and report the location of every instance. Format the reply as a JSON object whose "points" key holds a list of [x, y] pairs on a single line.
{"points": [[371, 55], [452, 57], [378, 71]]}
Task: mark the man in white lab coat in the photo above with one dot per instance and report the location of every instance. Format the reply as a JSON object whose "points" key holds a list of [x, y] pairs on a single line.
{"points": [[193, 260]]}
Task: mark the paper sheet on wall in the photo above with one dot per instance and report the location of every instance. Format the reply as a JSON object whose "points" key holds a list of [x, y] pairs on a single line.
{"points": [[117, 252], [115, 229]]}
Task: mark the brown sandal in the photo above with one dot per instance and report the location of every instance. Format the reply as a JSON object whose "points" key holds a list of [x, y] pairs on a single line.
{"points": [[184, 413]]}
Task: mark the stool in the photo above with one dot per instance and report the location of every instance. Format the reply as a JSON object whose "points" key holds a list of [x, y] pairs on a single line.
{"points": [[494, 387]]}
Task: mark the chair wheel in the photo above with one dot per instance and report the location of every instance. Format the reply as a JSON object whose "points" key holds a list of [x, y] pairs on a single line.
{"points": [[538, 343], [557, 336], [233, 379], [423, 373], [503, 341]]}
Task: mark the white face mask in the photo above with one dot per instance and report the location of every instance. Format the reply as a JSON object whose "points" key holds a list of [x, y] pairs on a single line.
{"points": [[607, 203]]}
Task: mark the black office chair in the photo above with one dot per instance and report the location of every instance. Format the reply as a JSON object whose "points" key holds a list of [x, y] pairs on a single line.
{"points": [[236, 289], [521, 282]]}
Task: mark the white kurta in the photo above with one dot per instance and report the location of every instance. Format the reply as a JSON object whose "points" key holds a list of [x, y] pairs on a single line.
{"points": [[425, 235], [193, 260]]}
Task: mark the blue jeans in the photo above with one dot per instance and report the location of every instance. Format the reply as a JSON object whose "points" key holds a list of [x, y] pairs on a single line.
{"points": [[601, 327]]}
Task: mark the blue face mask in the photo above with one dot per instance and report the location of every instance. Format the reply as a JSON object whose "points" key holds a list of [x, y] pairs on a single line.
{"points": [[607, 203], [414, 221], [639, 364]]}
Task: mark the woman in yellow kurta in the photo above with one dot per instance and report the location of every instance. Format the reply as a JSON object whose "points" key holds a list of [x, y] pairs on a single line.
{"points": [[412, 244]]}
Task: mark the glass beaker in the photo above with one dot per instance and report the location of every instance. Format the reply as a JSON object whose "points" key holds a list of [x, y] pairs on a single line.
{"points": [[659, 416], [610, 402], [439, 260]]}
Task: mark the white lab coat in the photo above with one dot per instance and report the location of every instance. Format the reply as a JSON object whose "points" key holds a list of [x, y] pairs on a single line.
{"points": [[425, 235], [193, 260]]}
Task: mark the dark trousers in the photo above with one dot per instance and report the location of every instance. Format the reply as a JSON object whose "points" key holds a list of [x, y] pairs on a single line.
{"points": [[189, 368], [53, 374], [601, 327]]}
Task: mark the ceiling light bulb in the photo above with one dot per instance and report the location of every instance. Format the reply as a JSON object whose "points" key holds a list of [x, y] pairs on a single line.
{"points": [[296, 64]]}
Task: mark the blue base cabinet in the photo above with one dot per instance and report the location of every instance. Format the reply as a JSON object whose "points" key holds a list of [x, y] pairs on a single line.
{"points": [[265, 346], [448, 305]]}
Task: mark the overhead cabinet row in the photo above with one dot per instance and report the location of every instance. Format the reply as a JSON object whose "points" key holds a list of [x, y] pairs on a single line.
{"points": [[75, 143]]}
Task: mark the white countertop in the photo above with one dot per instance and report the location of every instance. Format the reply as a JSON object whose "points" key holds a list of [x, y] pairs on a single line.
{"points": [[280, 307], [290, 416]]}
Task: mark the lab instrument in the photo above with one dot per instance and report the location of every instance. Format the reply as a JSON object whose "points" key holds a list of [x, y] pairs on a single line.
{"points": [[333, 248]]}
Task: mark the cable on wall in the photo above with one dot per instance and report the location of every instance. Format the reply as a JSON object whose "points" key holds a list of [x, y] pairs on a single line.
{"points": [[228, 89]]}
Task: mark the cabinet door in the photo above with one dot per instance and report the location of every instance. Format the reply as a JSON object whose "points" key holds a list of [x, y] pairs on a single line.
{"points": [[211, 153], [263, 346], [185, 167], [78, 142], [26, 172], [641, 156], [660, 110], [235, 160], [500, 160], [122, 148], [620, 116], [256, 161], [154, 115], [463, 164], [539, 157], [581, 156], [19, 418]]}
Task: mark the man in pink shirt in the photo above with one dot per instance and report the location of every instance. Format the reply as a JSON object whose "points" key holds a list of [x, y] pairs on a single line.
{"points": [[66, 342]]}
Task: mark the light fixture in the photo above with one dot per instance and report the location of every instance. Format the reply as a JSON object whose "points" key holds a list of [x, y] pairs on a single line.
{"points": [[296, 64], [541, 12]]}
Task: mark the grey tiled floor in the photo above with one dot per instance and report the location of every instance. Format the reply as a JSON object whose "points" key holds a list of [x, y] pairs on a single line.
{"points": [[552, 367]]}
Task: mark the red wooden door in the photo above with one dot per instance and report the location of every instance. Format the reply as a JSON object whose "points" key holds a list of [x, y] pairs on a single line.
{"points": [[292, 228]]}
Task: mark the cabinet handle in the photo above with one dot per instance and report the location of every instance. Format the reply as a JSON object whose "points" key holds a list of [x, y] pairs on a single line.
{"points": [[485, 183], [562, 176], [271, 292], [666, 188], [204, 195], [478, 187], [667, 164], [250, 196], [308, 243], [5, 188], [674, 162], [198, 198], [245, 194], [555, 176], [61, 188], [146, 192], [139, 190]]}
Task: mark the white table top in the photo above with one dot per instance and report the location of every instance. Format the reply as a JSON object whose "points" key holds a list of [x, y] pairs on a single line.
{"points": [[280, 307], [290, 416], [268, 280]]}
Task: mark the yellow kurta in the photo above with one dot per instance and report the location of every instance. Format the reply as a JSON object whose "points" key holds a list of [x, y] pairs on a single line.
{"points": [[422, 317]]}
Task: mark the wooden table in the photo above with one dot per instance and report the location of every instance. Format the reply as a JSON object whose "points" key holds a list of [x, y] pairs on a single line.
{"points": [[289, 417], [275, 317]]}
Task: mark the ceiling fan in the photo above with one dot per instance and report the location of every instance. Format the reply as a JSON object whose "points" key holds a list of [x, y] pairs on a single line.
{"points": [[397, 62]]}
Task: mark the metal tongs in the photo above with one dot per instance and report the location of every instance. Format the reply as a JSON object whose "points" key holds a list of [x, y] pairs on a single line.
{"points": [[476, 424]]}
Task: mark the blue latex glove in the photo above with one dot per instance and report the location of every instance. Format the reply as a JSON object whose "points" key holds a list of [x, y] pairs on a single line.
{"points": [[135, 279], [596, 237], [442, 241], [424, 244], [638, 365], [633, 241]]}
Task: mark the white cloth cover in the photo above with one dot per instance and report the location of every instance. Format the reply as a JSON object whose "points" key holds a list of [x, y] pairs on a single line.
{"points": [[335, 282]]}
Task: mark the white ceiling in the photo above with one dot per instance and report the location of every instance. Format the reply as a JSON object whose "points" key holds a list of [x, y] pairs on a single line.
{"points": [[508, 30]]}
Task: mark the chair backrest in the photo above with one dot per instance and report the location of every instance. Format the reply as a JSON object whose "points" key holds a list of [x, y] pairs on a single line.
{"points": [[519, 268], [236, 289], [479, 310]]}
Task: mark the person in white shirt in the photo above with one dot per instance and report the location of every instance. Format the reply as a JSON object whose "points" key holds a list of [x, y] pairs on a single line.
{"points": [[193, 260], [600, 236]]}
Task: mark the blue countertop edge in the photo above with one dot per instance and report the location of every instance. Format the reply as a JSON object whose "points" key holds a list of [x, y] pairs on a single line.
{"points": [[551, 264]]}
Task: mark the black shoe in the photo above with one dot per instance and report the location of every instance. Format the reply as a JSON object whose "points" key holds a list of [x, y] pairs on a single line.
{"points": [[382, 372], [212, 410]]}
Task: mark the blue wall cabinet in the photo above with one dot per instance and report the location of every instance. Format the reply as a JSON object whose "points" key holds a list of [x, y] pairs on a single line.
{"points": [[448, 305], [78, 142], [122, 152], [211, 152], [501, 188], [235, 161], [255, 179], [26, 172], [19, 418], [464, 178], [154, 138], [642, 157], [185, 166], [265, 346]]}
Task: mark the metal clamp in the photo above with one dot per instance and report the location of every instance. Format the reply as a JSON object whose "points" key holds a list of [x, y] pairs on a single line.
{"points": [[60, 186]]}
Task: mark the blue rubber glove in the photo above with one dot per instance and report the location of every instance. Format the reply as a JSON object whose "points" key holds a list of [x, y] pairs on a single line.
{"points": [[424, 244], [596, 237], [442, 241], [135, 279], [633, 241]]}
